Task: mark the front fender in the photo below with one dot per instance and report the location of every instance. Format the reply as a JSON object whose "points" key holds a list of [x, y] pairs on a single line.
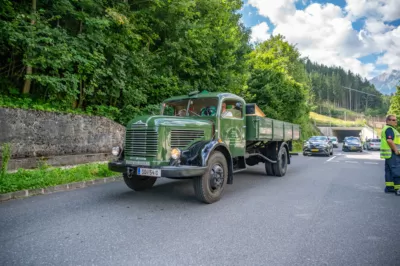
{"points": [[199, 153]]}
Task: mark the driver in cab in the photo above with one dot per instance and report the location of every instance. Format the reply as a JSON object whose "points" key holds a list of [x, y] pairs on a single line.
{"points": [[224, 112]]}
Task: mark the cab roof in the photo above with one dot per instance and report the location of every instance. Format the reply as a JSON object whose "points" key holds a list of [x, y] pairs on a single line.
{"points": [[205, 94]]}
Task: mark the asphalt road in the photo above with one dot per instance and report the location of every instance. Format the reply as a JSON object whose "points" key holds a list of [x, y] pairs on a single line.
{"points": [[325, 211]]}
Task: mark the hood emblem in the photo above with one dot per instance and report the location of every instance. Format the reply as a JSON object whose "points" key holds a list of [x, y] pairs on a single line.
{"points": [[140, 122]]}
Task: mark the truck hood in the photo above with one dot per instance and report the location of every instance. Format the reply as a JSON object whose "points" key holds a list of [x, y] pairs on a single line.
{"points": [[169, 121]]}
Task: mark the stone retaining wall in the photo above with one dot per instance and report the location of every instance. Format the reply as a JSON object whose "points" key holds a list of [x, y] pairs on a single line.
{"points": [[51, 136]]}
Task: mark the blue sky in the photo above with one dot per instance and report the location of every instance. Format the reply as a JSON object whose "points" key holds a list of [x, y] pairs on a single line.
{"points": [[360, 35]]}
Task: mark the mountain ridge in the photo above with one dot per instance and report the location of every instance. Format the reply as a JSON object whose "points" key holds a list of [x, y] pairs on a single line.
{"points": [[386, 82]]}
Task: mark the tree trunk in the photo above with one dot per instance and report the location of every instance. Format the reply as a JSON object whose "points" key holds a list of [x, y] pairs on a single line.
{"points": [[29, 69], [81, 95]]}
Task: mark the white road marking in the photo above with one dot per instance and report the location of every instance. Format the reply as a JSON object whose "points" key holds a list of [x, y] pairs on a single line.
{"points": [[351, 162], [370, 163], [331, 158]]}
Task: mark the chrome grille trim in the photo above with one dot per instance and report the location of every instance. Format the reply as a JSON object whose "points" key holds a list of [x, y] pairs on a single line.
{"points": [[141, 142], [183, 137]]}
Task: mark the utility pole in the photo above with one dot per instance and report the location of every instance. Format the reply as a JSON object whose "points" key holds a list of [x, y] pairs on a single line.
{"points": [[350, 89], [350, 98]]}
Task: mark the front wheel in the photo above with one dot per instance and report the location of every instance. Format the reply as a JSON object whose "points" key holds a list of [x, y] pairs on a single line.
{"points": [[139, 183], [210, 186]]}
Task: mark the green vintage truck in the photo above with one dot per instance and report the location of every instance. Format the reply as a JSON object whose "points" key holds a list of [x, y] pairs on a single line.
{"points": [[206, 137]]}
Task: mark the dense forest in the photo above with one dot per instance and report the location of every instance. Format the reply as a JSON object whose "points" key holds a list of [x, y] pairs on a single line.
{"points": [[121, 58], [345, 89]]}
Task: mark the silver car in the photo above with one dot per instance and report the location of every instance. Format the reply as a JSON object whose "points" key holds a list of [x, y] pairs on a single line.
{"points": [[335, 141], [373, 144]]}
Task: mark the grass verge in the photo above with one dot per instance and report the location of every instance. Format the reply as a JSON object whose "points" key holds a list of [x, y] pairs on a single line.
{"points": [[326, 120], [46, 176]]}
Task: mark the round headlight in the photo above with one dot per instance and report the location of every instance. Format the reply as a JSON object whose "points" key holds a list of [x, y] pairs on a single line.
{"points": [[116, 151], [175, 153]]}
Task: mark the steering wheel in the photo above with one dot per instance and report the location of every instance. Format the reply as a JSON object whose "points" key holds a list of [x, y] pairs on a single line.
{"points": [[207, 111], [182, 112]]}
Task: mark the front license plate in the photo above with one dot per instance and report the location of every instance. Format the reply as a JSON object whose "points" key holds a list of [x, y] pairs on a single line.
{"points": [[314, 150], [353, 148], [137, 163], [149, 172]]}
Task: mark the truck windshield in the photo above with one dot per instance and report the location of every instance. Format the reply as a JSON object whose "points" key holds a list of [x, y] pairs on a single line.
{"points": [[191, 107]]}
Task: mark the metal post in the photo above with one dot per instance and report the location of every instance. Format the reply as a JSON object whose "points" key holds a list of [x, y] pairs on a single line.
{"points": [[350, 99]]}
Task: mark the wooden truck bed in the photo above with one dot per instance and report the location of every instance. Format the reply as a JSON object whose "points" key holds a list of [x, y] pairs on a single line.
{"points": [[261, 128]]}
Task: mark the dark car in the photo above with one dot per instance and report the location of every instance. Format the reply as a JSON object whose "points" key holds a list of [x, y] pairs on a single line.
{"points": [[318, 145], [352, 144]]}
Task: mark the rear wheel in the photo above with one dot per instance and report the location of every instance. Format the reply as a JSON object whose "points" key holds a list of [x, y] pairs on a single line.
{"points": [[139, 183], [210, 186], [280, 167], [269, 169]]}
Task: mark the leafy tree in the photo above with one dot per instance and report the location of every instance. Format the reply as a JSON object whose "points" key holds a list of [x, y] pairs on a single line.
{"points": [[395, 103], [278, 80]]}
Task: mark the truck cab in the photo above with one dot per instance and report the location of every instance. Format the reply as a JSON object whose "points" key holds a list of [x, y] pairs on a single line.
{"points": [[201, 136]]}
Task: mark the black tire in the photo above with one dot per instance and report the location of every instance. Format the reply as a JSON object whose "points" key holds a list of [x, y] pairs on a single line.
{"points": [[269, 169], [210, 186], [139, 183], [280, 167]]}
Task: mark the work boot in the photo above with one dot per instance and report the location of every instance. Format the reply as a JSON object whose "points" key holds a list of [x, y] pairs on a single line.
{"points": [[389, 190]]}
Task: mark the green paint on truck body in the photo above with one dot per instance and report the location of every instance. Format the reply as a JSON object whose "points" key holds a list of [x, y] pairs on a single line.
{"points": [[197, 119]]}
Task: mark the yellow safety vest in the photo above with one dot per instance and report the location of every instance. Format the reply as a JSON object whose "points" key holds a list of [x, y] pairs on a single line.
{"points": [[386, 151]]}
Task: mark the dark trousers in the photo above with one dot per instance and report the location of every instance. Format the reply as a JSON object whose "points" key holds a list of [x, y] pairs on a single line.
{"points": [[392, 172]]}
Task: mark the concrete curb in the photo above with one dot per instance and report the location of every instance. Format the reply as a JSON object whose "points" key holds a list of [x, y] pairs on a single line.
{"points": [[65, 187]]}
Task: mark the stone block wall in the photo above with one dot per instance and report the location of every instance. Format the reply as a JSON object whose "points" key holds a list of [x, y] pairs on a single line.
{"points": [[47, 135]]}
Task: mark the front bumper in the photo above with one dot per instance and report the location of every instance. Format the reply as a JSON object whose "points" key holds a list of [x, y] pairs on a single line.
{"points": [[175, 172], [352, 148], [323, 151]]}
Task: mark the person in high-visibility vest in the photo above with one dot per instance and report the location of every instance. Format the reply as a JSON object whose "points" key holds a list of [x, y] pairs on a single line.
{"points": [[390, 151]]}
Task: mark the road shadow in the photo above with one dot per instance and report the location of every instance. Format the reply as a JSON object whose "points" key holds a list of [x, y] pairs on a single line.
{"points": [[169, 191]]}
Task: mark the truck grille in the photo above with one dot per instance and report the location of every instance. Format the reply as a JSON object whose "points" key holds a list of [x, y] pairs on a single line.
{"points": [[182, 138], [141, 142]]}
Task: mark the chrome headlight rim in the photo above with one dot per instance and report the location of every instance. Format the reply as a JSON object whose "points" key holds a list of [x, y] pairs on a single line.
{"points": [[175, 153], [116, 150]]}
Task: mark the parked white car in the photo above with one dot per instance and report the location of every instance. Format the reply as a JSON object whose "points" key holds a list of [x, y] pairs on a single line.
{"points": [[373, 144], [335, 141]]}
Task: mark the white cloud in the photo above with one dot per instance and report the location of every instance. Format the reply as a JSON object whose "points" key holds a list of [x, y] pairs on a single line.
{"points": [[276, 10], [387, 10], [325, 33], [376, 26], [391, 58], [259, 33]]}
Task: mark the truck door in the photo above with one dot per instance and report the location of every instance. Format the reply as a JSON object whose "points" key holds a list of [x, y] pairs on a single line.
{"points": [[232, 127]]}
